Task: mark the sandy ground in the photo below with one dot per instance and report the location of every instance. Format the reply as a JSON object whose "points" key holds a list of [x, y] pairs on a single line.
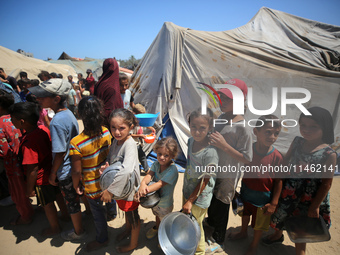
{"points": [[27, 239]]}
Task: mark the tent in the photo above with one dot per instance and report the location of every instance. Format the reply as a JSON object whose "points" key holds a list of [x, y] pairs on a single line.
{"points": [[273, 50], [13, 63]]}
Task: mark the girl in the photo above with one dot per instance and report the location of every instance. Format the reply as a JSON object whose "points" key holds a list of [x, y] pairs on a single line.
{"points": [[198, 188], [88, 152], [309, 195], [165, 174], [124, 149]]}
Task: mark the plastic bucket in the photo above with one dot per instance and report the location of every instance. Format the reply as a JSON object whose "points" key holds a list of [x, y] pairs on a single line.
{"points": [[146, 119], [149, 138]]}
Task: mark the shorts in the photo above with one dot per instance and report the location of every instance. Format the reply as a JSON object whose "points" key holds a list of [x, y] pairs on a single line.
{"points": [[71, 197], [259, 221], [46, 194], [161, 212], [127, 206]]}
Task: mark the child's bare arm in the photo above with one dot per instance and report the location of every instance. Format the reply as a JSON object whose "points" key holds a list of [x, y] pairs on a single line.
{"points": [[194, 195], [217, 140], [143, 188], [31, 174], [138, 135], [152, 129], [58, 160], [76, 173], [325, 186], [271, 207], [47, 121]]}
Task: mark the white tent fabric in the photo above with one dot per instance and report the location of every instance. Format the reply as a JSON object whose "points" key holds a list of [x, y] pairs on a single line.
{"points": [[13, 63], [274, 49]]}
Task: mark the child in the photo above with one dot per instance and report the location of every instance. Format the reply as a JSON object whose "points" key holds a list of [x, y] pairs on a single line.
{"points": [[78, 92], [260, 192], [36, 153], [88, 152], [124, 150], [307, 194], [198, 188], [138, 135], [43, 117], [9, 149], [165, 174], [25, 84], [64, 126], [124, 92], [233, 144]]}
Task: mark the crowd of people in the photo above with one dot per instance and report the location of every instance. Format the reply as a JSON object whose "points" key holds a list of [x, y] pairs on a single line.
{"points": [[45, 156]]}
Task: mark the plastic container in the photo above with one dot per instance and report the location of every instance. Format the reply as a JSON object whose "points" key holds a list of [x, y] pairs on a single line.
{"points": [[146, 119], [149, 138]]}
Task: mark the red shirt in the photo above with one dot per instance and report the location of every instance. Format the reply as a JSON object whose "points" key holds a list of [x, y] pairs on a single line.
{"points": [[36, 148], [262, 181]]}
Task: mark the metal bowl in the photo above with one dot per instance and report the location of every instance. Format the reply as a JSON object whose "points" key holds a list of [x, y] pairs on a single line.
{"points": [[151, 199], [179, 234]]}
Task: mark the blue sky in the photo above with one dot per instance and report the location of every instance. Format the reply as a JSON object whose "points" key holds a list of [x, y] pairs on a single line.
{"points": [[111, 28]]}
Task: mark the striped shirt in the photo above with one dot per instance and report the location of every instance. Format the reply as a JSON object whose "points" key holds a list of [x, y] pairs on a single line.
{"points": [[93, 151]]}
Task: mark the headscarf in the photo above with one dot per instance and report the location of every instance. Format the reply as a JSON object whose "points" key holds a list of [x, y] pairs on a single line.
{"points": [[107, 88], [324, 119]]}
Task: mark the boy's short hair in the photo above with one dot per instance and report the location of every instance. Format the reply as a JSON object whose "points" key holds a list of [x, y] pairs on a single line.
{"points": [[6, 99], [123, 76], [139, 108], [270, 118], [27, 111], [23, 75], [35, 82], [51, 88]]}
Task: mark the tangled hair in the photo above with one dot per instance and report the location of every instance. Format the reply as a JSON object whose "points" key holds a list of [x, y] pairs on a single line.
{"points": [[90, 110], [267, 119], [170, 144], [27, 111], [128, 117], [198, 113], [6, 99], [139, 108]]}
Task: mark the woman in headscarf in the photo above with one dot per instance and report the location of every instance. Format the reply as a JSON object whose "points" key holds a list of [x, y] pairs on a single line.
{"points": [[107, 88]]}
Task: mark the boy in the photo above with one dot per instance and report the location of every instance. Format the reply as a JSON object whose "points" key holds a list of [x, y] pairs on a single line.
{"points": [[260, 192], [124, 92], [233, 143], [9, 149], [64, 126], [36, 153]]}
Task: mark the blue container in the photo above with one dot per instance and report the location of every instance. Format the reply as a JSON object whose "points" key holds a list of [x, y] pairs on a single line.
{"points": [[146, 119]]}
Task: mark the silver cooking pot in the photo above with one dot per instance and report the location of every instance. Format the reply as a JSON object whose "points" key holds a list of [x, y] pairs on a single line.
{"points": [[151, 199], [179, 234]]}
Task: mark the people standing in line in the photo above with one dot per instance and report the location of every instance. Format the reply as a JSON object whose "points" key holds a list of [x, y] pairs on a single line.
{"points": [[90, 82], [107, 88], [234, 147], [307, 193], [125, 92], [124, 150], [198, 185], [64, 126], [10, 145], [164, 174], [36, 153], [260, 191], [88, 152]]}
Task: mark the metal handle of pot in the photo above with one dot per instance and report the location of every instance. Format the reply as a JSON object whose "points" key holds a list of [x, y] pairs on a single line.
{"points": [[190, 215]]}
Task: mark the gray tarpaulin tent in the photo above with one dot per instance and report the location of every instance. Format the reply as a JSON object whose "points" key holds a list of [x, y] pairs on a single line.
{"points": [[14, 63], [274, 49]]}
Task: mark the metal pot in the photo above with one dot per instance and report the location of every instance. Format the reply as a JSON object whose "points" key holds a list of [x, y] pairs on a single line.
{"points": [[151, 199], [179, 234]]}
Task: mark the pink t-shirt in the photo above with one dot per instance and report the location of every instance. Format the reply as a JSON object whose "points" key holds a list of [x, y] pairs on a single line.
{"points": [[42, 115]]}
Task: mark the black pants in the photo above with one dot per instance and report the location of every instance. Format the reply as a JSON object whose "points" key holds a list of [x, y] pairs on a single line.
{"points": [[142, 158], [218, 216]]}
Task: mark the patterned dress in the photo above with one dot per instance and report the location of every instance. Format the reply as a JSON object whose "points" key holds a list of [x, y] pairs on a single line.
{"points": [[297, 193]]}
